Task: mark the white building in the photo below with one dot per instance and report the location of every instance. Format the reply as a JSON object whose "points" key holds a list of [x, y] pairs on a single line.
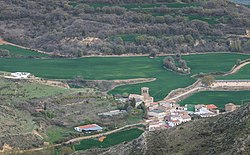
{"points": [[159, 114], [20, 75], [185, 118], [204, 112]]}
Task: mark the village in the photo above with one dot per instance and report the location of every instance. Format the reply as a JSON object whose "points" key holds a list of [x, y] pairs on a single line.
{"points": [[163, 114]]}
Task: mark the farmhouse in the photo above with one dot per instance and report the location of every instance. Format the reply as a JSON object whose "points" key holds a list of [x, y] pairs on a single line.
{"points": [[88, 128], [20, 75], [204, 112]]}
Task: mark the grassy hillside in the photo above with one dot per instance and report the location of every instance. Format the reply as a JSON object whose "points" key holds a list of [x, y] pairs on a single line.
{"points": [[19, 52], [24, 90]]}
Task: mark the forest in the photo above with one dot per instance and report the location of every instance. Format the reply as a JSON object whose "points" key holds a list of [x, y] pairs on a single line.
{"points": [[75, 28]]}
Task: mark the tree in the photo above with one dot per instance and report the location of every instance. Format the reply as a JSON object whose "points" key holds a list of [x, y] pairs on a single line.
{"points": [[118, 40], [183, 64], [152, 55], [207, 80], [133, 102], [247, 45], [178, 57], [236, 45], [238, 61], [4, 53], [144, 109], [169, 63]]}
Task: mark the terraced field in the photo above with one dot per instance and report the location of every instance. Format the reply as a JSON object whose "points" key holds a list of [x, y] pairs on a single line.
{"points": [[110, 140], [110, 68], [144, 6], [219, 98], [19, 52]]}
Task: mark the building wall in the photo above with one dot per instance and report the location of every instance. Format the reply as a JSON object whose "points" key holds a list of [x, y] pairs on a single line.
{"points": [[229, 108]]}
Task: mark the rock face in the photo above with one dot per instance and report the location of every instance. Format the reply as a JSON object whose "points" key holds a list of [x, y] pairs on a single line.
{"points": [[225, 134]]}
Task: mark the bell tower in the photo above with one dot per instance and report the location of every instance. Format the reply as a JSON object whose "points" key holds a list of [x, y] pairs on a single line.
{"points": [[145, 92]]}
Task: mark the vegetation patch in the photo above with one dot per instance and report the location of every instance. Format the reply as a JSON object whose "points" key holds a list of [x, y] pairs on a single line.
{"points": [[208, 19], [25, 90], [57, 134], [145, 5]]}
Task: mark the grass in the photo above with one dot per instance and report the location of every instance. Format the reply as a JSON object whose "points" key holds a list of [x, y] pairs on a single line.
{"points": [[219, 98], [24, 90], [208, 19], [110, 140], [19, 52], [56, 134], [110, 68]]}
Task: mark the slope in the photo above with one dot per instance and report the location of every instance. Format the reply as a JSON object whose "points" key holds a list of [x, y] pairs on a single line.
{"points": [[224, 134]]}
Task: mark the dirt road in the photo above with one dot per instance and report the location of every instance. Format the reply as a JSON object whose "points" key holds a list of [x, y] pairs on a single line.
{"points": [[102, 134], [84, 137], [237, 68]]}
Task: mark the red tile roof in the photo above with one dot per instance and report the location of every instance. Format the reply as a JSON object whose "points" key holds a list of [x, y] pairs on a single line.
{"points": [[175, 121], [88, 126], [211, 106]]}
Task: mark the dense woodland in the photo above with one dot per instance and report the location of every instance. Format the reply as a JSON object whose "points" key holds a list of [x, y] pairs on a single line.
{"points": [[81, 27]]}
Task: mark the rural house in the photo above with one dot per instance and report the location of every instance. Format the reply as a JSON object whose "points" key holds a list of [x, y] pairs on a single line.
{"points": [[20, 75], [159, 114], [88, 128]]}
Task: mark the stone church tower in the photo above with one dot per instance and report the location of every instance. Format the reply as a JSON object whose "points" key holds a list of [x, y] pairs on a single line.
{"points": [[145, 92]]}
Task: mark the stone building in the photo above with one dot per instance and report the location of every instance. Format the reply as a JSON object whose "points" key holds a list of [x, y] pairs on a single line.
{"points": [[145, 97], [230, 107]]}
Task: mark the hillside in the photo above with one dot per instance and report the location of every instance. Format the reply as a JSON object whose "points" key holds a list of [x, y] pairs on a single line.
{"points": [[83, 27], [224, 134]]}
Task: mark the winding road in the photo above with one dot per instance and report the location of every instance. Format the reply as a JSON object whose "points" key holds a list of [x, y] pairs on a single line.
{"points": [[235, 69], [217, 83]]}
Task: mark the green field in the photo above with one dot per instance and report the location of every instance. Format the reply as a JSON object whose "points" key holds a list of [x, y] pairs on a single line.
{"points": [[208, 19], [219, 98], [110, 140], [110, 68], [56, 133], [19, 52]]}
